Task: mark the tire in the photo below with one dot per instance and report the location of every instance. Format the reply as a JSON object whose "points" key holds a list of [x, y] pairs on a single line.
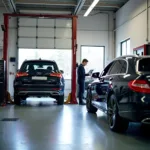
{"points": [[116, 123], [90, 108], [60, 100], [17, 100]]}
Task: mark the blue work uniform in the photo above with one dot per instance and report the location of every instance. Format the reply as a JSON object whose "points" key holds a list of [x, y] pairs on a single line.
{"points": [[81, 82]]}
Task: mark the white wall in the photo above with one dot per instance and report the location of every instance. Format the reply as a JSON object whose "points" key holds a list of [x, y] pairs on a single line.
{"points": [[93, 31], [12, 52], [131, 22], [12, 47]]}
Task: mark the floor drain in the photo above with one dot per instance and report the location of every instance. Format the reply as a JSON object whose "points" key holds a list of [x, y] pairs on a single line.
{"points": [[10, 119]]}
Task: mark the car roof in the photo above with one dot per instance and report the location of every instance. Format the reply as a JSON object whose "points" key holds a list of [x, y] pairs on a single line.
{"points": [[39, 60], [132, 56]]}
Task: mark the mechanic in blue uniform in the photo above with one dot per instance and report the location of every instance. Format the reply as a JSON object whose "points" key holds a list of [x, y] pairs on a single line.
{"points": [[81, 80]]}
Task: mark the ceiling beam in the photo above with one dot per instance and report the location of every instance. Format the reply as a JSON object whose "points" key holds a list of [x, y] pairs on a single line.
{"points": [[55, 3], [10, 5], [79, 6]]}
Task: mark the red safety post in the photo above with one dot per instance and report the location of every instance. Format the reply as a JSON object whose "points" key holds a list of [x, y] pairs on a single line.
{"points": [[74, 49]]}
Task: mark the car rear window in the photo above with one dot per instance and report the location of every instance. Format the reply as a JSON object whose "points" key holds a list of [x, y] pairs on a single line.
{"points": [[38, 66], [144, 65]]}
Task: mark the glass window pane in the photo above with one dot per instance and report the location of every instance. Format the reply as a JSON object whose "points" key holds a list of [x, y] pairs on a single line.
{"points": [[124, 50], [116, 68], [128, 47], [95, 55], [123, 66]]}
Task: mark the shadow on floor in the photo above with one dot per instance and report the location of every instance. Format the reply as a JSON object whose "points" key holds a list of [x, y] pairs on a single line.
{"points": [[136, 132]]}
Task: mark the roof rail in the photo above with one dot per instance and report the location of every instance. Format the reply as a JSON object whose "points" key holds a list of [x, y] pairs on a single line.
{"points": [[125, 56]]}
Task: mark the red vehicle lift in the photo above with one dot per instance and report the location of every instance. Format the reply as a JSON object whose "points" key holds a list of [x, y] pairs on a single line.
{"points": [[74, 44]]}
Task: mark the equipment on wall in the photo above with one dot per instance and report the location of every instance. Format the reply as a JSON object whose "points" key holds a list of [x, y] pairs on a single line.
{"points": [[142, 50], [3, 28], [2, 82]]}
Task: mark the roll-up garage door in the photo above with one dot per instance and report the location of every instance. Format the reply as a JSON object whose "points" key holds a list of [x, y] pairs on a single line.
{"points": [[41, 33]]}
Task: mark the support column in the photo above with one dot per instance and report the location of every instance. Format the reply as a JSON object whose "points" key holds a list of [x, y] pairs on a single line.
{"points": [[74, 49]]}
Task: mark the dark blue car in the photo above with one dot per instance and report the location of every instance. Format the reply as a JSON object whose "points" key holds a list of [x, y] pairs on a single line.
{"points": [[39, 78], [122, 91]]}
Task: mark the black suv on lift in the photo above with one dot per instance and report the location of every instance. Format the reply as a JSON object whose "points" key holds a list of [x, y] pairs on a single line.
{"points": [[39, 78], [122, 91]]}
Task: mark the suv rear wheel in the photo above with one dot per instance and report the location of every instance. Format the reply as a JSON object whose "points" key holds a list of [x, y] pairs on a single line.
{"points": [[116, 123], [60, 100]]}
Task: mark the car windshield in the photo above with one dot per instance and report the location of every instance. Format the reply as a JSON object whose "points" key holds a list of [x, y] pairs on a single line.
{"points": [[144, 65], [39, 66]]}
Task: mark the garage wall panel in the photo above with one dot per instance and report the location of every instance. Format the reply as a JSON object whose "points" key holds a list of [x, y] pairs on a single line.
{"points": [[63, 23], [46, 22], [45, 43], [63, 33], [27, 42], [63, 44], [48, 33], [27, 22], [45, 32], [27, 32]]}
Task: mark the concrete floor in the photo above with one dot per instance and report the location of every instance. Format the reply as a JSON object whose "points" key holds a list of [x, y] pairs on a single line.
{"points": [[68, 127]]}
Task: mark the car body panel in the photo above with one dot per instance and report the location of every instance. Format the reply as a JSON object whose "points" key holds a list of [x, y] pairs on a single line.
{"points": [[133, 106], [40, 82]]}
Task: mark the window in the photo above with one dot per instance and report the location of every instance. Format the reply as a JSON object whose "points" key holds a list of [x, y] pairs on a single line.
{"points": [[106, 70], [95, 55], [42, 65], [115, 67], [118, 67], [125, 47], [123, 64]]}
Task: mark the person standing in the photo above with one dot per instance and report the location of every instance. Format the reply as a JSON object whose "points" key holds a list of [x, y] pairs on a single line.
{"points": [[81, 80]]}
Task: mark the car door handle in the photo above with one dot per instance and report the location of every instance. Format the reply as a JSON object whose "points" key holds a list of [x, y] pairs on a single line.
{"points": [[110, 79], [101, 79]]}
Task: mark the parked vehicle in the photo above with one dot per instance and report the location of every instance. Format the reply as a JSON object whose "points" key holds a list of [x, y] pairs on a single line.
{"points": [[39, 78], [122, 91]]}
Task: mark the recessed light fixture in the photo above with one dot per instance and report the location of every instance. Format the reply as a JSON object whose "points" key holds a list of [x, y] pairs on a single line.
{"points": [[91, 8]]}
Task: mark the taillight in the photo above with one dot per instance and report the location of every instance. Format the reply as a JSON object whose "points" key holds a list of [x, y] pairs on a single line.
{"points": [[141, 86], [21, 74], [56, 75]]}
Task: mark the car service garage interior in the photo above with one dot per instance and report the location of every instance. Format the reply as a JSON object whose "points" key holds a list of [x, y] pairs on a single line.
{"points": [[74, 74]]}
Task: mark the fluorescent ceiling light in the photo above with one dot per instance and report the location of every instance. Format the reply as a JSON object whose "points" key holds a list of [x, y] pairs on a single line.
{"points": [[91, 7]]}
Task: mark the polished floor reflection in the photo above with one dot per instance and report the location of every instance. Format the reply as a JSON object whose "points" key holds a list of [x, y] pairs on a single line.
{"points": [[69, 127]]}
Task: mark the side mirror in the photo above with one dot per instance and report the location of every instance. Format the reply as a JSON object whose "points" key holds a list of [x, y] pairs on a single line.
{"points": [[95, 75], [61, 71]]}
